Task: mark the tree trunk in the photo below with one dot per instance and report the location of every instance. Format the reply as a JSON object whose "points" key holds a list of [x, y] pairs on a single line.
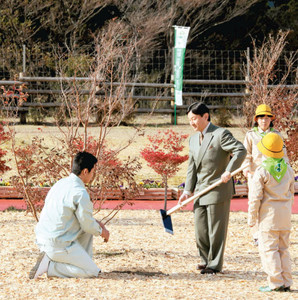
{"points": [[166, 192]]}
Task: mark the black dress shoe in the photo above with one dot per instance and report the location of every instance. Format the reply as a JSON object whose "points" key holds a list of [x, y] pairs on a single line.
{"points": [[201, 267], [209, 271]]}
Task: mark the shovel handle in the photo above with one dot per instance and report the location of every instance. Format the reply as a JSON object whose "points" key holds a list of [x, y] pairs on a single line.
{"points": [[199, 194]]}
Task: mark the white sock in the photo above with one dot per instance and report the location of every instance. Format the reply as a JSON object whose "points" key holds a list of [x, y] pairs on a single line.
{"points": [[43, 266]]}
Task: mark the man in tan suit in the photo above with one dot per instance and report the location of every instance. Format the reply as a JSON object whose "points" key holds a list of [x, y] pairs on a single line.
{"points": [[213, 154]]}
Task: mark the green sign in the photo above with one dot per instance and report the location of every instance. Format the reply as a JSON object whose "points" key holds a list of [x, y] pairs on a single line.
{"points": [[181, 34]]}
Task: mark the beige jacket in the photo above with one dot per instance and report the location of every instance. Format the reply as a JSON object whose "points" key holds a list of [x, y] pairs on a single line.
{"points": [[271, 202], [254, 156]]}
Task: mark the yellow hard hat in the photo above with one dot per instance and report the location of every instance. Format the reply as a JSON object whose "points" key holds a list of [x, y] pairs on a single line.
{"points": [[263, 109], [271, 145]]}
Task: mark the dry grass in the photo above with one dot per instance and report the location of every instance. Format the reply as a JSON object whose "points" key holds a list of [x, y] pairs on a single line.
{"points": [[120, 135], [141, 261]]}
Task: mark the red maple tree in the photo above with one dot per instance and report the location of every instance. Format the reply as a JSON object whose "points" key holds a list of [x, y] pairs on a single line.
{"points": [[162, 154]]}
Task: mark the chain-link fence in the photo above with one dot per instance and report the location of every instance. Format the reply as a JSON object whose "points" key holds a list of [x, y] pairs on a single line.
{"points": [[154, 66]]}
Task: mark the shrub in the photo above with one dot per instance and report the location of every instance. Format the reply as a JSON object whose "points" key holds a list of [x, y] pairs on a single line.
{"points": [[3, 138]]}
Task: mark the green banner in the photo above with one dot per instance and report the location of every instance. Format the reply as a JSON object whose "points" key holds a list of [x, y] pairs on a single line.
{"points": [[181, 34]]}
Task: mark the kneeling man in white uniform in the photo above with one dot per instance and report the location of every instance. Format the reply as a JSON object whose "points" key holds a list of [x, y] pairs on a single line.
{"points": [[64, 233]]}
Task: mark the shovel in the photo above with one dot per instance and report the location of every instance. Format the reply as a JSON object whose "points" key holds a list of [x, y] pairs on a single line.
{"points": [[166, 215]]}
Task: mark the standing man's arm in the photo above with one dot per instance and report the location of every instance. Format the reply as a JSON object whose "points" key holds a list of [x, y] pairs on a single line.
{"points": [[238, 153]]}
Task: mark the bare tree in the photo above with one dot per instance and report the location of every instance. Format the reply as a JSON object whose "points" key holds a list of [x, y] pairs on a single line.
{"points": [[160, 16], [35, 18], [152, 21], [265, 86], [107, 102], [109, 99]]}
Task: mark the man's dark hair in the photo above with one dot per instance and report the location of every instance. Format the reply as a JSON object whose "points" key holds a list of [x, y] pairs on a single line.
{"points": [[83, 160], [198, 108]]}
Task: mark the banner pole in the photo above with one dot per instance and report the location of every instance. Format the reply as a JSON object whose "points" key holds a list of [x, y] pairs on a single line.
{"points": [[175, 114]]}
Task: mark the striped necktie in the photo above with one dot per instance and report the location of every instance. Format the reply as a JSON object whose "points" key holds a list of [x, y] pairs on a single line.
{"points": [[201, 138]]}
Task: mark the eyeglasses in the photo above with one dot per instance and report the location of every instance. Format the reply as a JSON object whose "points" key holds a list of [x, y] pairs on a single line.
{"points": [[263, 116]]}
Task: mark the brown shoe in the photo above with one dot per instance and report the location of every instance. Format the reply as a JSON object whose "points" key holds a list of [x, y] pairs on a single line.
{"points": [[201, 267], [209, 271]]}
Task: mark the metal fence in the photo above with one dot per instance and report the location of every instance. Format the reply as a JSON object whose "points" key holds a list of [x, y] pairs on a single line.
{"points": [[155, 66]]}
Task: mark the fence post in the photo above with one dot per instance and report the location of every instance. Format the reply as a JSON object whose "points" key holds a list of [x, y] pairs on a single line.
{"points": [[24, 59], [247, 77], [248, 63]]}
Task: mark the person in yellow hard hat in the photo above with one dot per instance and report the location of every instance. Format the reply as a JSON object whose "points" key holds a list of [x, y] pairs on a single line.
{"points": [[270, 205], [263, 125]]}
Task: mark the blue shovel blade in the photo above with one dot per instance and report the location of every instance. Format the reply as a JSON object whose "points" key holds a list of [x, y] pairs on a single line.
{"points": [[167, 221]]}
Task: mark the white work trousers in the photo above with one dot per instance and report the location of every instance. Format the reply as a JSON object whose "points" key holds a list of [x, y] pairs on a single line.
{"points": [[275, 257], [254, 229], [74, 260]]}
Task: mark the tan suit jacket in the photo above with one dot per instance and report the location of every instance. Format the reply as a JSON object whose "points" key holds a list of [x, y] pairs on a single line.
{"points": [[219, 152]]}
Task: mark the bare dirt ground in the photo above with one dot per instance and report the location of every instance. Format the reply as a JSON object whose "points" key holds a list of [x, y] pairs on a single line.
{"points": [[141, 261]]}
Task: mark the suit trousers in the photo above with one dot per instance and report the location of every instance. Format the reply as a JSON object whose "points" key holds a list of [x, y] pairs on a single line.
{"points": [[211, 226], [275, 257], [74, 260]]}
